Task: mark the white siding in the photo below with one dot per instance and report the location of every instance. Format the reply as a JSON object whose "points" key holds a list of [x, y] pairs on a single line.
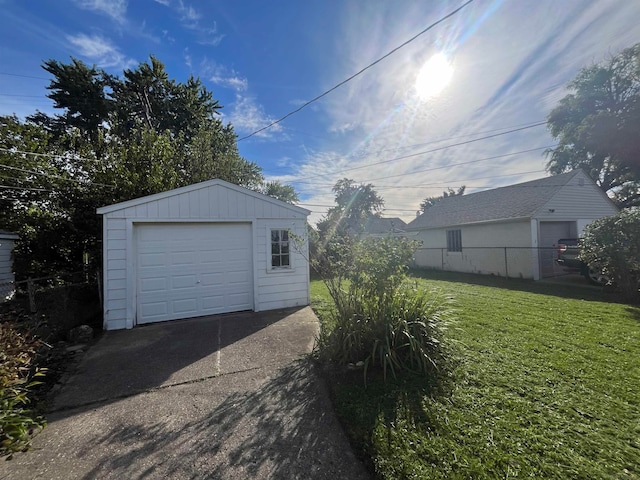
{"points": [[580, 200], [6, 266], [491, 248], [212, 201], [281, 288]]}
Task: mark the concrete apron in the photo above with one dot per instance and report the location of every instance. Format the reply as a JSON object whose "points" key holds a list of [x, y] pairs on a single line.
{"points": [[223, 397]]}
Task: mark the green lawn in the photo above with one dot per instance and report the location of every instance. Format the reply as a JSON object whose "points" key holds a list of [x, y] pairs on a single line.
{"points": [[548, 387]]}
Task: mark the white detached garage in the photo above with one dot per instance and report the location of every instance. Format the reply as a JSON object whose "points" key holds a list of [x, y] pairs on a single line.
{"points": [[204, 249]]}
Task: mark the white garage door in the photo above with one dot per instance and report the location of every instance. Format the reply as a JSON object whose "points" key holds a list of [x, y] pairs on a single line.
{"points": [[190, 270]]}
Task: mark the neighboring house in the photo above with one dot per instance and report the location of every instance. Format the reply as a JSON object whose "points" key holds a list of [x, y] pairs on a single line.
{"points": [[7, 286], [204, 249], [509, 231], [382, 227]]}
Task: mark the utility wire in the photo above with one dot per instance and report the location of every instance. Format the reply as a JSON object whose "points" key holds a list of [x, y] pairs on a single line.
{"points": [[423, 152], [55, 176], [26, 188], [275, 122], [23, 76]]}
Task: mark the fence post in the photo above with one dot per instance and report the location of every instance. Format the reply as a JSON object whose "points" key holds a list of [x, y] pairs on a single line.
{"points": [[506, 263], [32, 296]]}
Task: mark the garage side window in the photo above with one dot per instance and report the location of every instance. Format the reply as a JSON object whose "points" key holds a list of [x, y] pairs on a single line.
{"points": [[280, 256], [454, 240]]}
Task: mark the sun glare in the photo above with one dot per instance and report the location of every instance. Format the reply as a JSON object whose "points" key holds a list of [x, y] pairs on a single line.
{"points": [[434, 76]]}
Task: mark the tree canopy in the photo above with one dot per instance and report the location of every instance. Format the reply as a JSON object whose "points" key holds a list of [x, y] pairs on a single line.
{"points": [[115, 138], [597, 126], [450, 192]]}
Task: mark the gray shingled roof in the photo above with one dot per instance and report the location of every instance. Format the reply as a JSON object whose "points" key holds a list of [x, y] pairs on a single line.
{"points": [[377, 225], [521, 200]]}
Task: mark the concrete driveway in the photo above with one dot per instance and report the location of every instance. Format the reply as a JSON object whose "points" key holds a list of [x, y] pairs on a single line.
{"points": [[224, 397]]}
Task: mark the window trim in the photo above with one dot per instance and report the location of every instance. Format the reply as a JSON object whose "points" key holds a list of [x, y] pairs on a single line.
{"points": [[454, 240], [269, 246]]}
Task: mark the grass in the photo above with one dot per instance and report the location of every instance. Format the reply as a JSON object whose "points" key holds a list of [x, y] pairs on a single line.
{"points": [[547, 387]]}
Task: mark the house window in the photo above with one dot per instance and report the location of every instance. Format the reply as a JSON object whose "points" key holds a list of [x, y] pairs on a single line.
{"points": [[280, 256], [454, 240]]}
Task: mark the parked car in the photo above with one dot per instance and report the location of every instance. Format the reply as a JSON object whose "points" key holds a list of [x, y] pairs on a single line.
{"points": [[568, 257]]}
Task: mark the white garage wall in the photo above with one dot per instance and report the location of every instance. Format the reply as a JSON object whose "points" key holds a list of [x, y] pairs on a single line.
{"points": [[285, 287], [212, 201], [483, 249]]}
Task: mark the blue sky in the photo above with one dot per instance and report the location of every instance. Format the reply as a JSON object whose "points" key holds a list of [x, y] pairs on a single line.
{"points": [[511, 60]]}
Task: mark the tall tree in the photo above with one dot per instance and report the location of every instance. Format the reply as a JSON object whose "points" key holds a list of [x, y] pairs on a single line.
{"points": [[276, 189], [354, 204], [597, 126], [81, 92], [450, 192]]}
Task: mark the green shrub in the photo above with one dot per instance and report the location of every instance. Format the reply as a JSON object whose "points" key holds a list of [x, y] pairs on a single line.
{"points": [[378, 319], [612, 245], [17, 378]]}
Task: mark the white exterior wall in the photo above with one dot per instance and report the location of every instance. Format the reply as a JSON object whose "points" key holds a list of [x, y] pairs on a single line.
{"points": [[216, 201], [579, 201], [6, 263], [281, 288], [489, 248]]}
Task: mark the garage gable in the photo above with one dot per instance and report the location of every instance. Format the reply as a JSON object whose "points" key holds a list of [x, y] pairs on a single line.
{"points": [[199, 250], [213, 199]]}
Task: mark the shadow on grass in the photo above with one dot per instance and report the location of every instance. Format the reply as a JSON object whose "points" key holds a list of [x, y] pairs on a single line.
{"points": [[362, 409], [634, 312], [558, 287]]}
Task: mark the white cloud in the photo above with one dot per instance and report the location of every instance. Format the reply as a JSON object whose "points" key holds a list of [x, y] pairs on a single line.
{"points": [[100, 50], [116, 9], [188, 13], [166, 3], [248, 116], [223, 76]]}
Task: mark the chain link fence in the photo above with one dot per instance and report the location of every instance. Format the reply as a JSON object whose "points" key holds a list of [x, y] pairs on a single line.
{"points": [[509, 262], [53, 305]]}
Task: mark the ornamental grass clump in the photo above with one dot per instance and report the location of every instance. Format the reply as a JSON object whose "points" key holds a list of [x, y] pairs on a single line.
{"points": [[379, 320], [17, 379]]}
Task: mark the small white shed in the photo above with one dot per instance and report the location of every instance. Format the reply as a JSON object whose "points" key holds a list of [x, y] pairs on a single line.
{"points": [[204, 249], [7, 286]]}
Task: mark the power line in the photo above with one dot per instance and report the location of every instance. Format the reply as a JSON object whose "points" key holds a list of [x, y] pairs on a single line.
{"points": [[55, 176], [22, 76], [275, 122], [19, 95], [423, 152], [26, 188]]}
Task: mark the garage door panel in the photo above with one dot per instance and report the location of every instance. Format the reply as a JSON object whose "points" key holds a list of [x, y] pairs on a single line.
{"points": [[153, 285], [184, 281], [212, 279], [152, 259], [187, 270]]}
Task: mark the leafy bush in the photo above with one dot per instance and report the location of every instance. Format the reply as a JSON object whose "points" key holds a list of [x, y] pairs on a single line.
{"points": [[378, 319], [612, 245], [17, 378]]}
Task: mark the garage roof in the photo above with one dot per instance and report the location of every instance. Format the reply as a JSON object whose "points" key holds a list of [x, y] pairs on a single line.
{"points": [[197, 186]]}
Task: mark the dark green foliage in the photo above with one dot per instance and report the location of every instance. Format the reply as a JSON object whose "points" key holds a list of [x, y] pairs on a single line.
{"points": [[116, 139], [611, 245], [17, 378], [431, 201], [378, 319], [597, 126]]}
